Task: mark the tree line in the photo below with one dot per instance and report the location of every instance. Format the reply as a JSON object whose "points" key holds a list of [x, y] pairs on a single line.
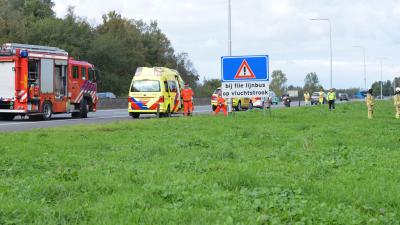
{"points": [[117, 46], [312, 84]]}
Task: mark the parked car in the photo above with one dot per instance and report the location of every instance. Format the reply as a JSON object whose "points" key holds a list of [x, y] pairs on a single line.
{"points": [[361, 94], [315, 98], [273, 99], [343, 97], [259, 102], [106, 95], [238, 104]]}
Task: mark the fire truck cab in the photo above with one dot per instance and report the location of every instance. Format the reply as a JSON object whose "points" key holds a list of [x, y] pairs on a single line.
{"points": [[39, 81]]}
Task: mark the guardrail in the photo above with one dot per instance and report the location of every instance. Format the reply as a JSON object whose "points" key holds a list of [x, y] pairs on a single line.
{"points": [[122, 103]]}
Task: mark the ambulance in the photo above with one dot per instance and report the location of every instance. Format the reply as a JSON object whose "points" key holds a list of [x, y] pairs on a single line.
{"points": [[155, 90], [39, 81]]}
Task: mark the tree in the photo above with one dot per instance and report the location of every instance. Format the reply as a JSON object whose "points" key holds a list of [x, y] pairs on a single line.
{"points": [[396, 82], [387, 88], [117, 46], [278, 82], [311, 82], [38, 9]]}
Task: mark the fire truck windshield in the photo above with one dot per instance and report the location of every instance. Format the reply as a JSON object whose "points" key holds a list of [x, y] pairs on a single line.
{"points": [[146, 86]]}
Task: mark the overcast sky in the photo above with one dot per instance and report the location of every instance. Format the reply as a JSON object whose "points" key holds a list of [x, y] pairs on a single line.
{"points": [[279, 28]]}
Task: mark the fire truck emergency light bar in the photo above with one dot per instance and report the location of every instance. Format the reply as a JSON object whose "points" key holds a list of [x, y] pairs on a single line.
{"points": [[34, 48]]}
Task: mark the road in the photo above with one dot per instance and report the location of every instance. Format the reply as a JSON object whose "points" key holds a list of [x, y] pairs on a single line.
{"points": [[101, 116]]}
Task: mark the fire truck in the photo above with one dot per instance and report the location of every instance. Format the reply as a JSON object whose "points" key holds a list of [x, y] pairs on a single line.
{"points": [[39, 81]]}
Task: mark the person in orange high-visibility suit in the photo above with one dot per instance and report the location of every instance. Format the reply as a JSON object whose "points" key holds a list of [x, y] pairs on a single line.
{"points": [[187, 97], [221, 105]]}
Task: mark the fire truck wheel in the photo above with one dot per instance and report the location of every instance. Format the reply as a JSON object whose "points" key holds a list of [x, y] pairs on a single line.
{"points": [[47, 111], [84, 108], [7, 117]]}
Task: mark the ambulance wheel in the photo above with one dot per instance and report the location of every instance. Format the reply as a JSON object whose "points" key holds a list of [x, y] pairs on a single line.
{"points": [[168, 112], [47, 111], [7, 117], [135, 115]]}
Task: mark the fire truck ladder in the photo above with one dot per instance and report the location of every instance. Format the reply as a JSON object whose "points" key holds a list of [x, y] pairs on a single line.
{"points": [[35, 48]]}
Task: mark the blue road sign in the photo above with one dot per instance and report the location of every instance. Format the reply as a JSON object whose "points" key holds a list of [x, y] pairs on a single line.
{"points": [[244, 68]]}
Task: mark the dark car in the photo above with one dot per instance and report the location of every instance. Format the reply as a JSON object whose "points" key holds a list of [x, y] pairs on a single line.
{"points": [[343, 97]]}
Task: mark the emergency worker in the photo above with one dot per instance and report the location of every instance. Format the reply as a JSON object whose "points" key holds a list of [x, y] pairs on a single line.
{"points": [[221, 105], [331, 97], [307, 98], [321, 97], [33, 91], [187, 97], [370, 101], [396, 99]]}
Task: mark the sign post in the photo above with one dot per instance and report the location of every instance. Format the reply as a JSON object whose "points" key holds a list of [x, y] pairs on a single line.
{"points": [[244, 76]]}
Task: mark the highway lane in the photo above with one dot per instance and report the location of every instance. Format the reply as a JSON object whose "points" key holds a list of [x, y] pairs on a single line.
{"points": [[101, 116]]}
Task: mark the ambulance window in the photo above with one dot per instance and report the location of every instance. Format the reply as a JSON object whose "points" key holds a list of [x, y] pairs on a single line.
{"points": [[145, 86], [83, 73], [75, 72], [172, 86]]}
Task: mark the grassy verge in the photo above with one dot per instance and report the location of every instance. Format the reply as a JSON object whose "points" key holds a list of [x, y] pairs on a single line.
{"points": [[300, 166]]}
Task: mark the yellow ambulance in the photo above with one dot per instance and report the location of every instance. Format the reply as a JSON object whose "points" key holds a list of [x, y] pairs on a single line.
{"points": [[155, 90]]}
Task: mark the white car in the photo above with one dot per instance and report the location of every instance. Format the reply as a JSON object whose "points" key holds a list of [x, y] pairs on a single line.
{"points": [[259, 102]]}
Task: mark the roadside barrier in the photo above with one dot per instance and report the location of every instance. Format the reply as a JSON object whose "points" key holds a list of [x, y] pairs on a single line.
{"points": [[122, 103]]}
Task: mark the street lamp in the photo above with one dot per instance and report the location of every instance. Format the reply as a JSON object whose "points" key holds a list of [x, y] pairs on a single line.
{"points": [[330, 40], [381, 63], [365, 66], [229, 28], [230, 45]]}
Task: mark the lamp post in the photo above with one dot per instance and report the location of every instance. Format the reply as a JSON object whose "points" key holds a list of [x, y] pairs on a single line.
{"points": [[365, 65], [230, 106], [330, 42], [229, 28], [381, 67]]}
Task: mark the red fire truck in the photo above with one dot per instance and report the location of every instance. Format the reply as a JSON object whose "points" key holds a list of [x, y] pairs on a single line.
{"points": [[38, 81]]}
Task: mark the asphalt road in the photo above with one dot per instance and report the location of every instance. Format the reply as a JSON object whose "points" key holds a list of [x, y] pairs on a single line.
{"points": [[101, 116]]}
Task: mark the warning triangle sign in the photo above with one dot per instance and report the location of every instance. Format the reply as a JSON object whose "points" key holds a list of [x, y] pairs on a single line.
{"points": [[244, 71]]}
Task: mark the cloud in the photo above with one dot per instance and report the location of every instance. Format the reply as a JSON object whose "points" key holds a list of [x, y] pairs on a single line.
{"points": [[280, 28]]}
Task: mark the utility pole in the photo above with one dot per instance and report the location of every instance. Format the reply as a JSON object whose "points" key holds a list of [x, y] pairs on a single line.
{"points": [[229, 28], [330, 46], [365, 65]]}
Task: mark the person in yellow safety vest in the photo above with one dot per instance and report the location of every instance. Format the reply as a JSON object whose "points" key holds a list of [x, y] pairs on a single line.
{"points": [[331, 99], [307, 98], [321, 97], [396, 99], [370, 101]]}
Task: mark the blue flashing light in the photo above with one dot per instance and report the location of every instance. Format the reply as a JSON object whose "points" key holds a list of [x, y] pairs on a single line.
{"points": [[24, 54]]}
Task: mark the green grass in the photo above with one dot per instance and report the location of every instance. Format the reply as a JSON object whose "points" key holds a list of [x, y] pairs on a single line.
{"points": [[300, 166]]}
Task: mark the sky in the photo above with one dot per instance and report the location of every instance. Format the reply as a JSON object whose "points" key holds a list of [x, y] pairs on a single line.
{"points": [[281, 29]]}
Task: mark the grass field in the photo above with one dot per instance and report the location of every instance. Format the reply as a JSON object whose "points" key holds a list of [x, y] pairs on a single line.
{"points": [[299, 166]]}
